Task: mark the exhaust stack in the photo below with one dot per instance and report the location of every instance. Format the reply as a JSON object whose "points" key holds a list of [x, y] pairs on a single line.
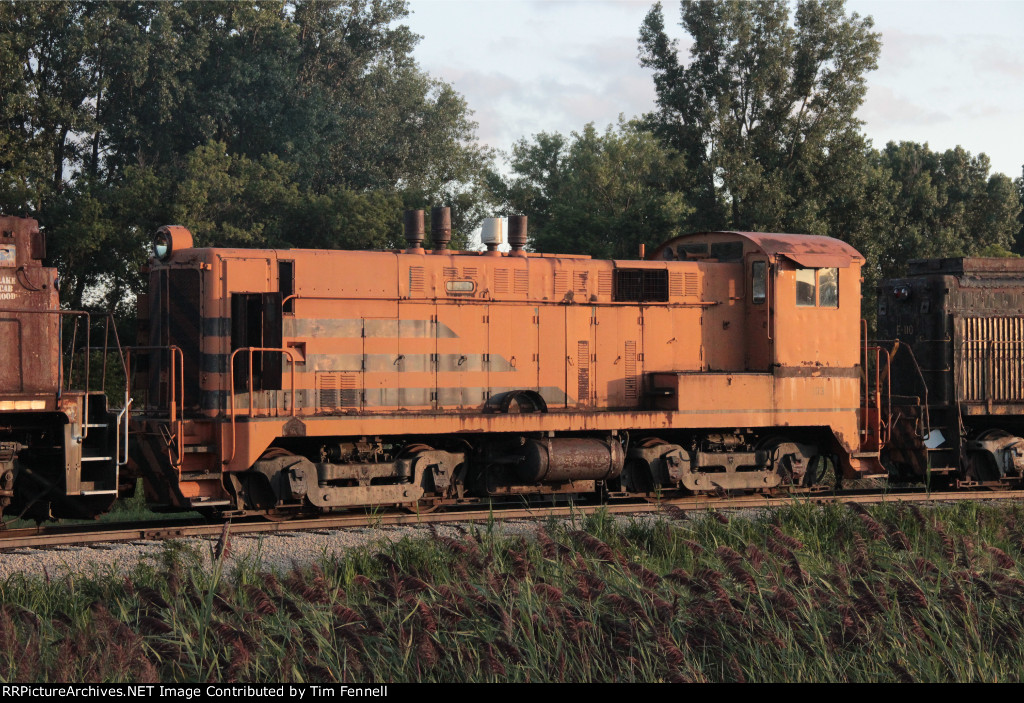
{"points": [[517, 234], [414, 231], [440, 228]]}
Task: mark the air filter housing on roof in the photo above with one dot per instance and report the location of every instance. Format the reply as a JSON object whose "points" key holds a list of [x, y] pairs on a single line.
{"points": [[492, 234]]}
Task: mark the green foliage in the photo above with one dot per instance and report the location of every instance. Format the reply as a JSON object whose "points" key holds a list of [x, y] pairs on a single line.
{"points": [[764, 112], [597, 194], [760, 105], [947, 204], [254, 124]]}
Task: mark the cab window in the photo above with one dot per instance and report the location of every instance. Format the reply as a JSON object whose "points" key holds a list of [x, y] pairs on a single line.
{"points": [[805, 288], [828, 288], [817, 287], [759, 282]]}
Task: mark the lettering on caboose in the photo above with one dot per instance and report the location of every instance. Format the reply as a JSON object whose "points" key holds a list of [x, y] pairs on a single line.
{"points": [[9, 288]]}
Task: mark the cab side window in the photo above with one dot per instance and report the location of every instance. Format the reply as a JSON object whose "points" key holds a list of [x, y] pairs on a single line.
{"points": [[806, 290], [828, 288], [817, 287]]}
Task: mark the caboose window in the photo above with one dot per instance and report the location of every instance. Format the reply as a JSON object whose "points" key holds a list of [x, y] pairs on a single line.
{"points": [[759, 282], [641, 285]]}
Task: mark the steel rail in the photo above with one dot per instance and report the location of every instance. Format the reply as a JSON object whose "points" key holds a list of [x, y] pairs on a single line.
{"points": [[44, 537]]}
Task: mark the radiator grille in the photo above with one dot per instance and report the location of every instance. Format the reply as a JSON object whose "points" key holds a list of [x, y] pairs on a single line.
{"points": [[991, 358]]}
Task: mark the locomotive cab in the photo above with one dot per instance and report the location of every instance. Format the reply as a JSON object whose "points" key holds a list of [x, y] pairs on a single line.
{"points": [[799, 335]]}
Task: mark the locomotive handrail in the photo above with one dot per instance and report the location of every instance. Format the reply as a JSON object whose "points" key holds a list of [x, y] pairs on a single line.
{"points": [[122, 423], [883, 429], [172, 406], [60, 356], [883, 437], [231, 375], [897, 346]]}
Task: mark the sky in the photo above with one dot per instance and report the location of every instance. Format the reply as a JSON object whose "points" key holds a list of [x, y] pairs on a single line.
{"points": [[950, 72]]}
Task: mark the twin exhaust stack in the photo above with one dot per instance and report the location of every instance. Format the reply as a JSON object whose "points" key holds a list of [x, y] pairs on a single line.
{"points": [[441, 232]]}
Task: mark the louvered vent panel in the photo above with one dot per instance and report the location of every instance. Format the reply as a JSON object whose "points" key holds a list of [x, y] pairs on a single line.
{"points": [[604, 283], [415, 279], [561, 282], [632, 382], [349, 391], [522, 281], [583, 376], [337, 391], [451, 272], [675, 284], [992, 359], [501, 281], [469, 272], [579, 283], [691, 285]]}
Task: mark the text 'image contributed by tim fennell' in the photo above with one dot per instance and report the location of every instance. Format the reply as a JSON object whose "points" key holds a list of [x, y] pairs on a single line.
{"points": [[189, 692]]}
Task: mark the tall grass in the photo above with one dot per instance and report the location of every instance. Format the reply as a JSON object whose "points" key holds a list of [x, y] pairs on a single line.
{"points": [[891, 593]]}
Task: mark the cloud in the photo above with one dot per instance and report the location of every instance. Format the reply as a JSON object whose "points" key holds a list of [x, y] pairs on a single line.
{"points": [[883, 108], [906, 51], [990, 58]]}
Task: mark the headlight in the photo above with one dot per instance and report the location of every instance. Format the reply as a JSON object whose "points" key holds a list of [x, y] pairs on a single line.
{"points": [[169, 239], [161, 246]]}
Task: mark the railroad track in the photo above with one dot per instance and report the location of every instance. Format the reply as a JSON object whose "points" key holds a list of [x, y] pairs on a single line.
{"points": [[57, 536]]}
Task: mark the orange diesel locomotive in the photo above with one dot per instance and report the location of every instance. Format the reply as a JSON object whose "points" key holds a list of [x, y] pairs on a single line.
{"points": [[289, 381]]}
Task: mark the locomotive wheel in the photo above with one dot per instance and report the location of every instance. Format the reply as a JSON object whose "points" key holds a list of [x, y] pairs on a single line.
{"points": [[784, 465], [426, 505], [796, 469], [278, 516], [260, 497], [641, 481], [979, 466]]}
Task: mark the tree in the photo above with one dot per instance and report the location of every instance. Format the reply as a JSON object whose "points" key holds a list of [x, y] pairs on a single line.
{"points": [[760, 104], [1019, 184], [238, 119], [947, 204], [597, 194]]}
